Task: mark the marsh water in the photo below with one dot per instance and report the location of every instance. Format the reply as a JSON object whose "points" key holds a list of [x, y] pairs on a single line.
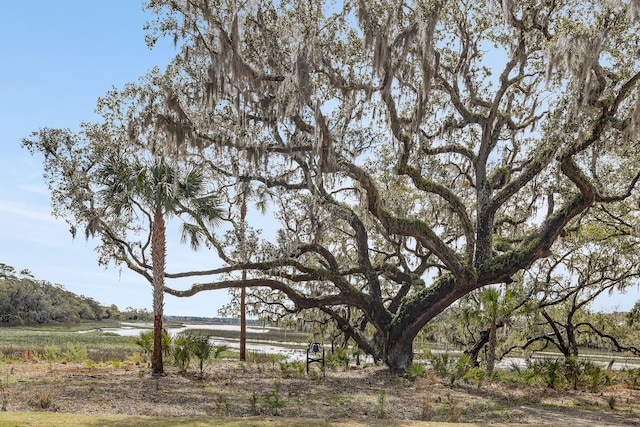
{"points": [[293, 351], [296, 351]]}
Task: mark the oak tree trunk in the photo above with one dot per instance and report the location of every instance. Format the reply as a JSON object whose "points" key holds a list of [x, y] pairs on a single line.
{"points": [[399, 356]]}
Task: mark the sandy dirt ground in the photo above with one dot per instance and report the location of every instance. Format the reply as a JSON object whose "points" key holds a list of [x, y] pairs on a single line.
{"points": [[234, 389]]}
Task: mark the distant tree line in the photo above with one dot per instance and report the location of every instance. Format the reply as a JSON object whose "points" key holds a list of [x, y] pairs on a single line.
{"points": [[26, 300]]}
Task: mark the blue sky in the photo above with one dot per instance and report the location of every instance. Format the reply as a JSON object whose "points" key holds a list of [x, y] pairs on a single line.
{"points": [[58, 58]]}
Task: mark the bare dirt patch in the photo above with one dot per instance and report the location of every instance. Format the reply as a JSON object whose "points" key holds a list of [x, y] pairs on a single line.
{"points": [[233, 389]]}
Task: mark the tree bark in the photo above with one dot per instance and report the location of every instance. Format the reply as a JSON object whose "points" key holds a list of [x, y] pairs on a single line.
{"points": [[158, 256], [491, 351], [399, 355], [243, 320], [243, 295]]}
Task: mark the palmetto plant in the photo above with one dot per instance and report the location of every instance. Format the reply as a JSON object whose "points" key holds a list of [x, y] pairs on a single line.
{"points": [[182, 352], [202, 349]]}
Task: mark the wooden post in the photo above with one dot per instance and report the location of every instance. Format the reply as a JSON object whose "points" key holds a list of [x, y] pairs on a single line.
{"points": [[243, 321], [243, 295]]}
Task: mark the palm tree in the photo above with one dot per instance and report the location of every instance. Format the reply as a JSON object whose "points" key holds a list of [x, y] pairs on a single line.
{"points": [[489, 298], [155, 189], [494, 306]]}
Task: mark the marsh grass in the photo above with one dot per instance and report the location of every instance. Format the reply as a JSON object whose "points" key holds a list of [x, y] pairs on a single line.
{"points": [[57, 342]]}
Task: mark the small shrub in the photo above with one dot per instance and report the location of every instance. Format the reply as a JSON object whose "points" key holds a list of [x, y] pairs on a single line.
{"points": [[634, 377], [222, 405], [284, 369], [426, 409], [273, 400], [453, 410], [292, 369], [201, 348], [263, 358], [340, 357], [218, 350], [476, 375], [573, 370], [182, 352], [145, 341], [519, 372], [552, 371], [51, 353], [440, 363], [75, 352], [548, 370], [417, 370], [41, 400], [595, 376], [166, 344], [454, 369], [253, 404], [380, 409]]}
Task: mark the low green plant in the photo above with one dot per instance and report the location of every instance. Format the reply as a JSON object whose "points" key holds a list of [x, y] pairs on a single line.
{"points": [[595, 376], [341, 357], [548, 370], [222, 405], [426, 408], [202, 349], [166, 344], [552, 372], [574, 369], [218, 350], [145, 341], [41, 400], [356, 353], [284, 369], [273, 399], [634, 377], [477, 376], [253, 404], [417, 370], [51, 353], [264, 358], [439, 363], [523, 373], [182, 351], [380, 407], [75, 352], [452, 368], [452, 409]]}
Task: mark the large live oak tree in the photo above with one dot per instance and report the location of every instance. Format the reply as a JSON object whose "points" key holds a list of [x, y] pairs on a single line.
{"points": [[439, 146], [416, 150]]}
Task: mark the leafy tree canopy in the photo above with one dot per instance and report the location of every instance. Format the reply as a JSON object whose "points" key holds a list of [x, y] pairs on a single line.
{"points": [[415, 151]]}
